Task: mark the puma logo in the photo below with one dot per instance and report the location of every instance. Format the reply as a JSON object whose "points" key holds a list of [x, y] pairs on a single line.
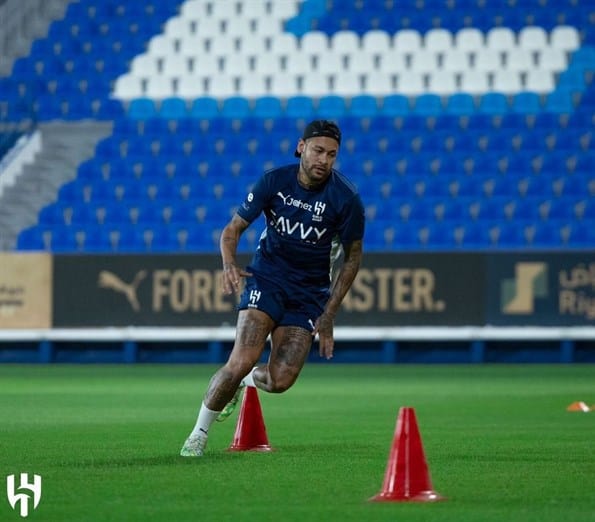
{"points": [[113, 282]]}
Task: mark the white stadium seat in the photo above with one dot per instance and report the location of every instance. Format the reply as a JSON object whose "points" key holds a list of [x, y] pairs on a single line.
{"points": [[442, 82], [411, 84], [161, 45], [438, 40], [144, 65], [175, 65], [329, 63], [474, 82], [424, 61], [379, 83], [284, 85], [363, 62], [345, 42], [179, 27], [469, 39], [519, 60], [190, 87], [533, 38], [551, 59], [376, 41], [127, 87], [407, 41], [456, 61], [500, 39], [393, 61], [221, 86], [314, 42], [347, 83], [507, 82], [565, 37], [194, 46], [487, 60], [159, 87], [316, 84], [253, 85], [540, 81]]}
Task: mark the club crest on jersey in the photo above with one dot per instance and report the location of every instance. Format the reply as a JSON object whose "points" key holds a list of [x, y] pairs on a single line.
{"points": [[318, 211]]}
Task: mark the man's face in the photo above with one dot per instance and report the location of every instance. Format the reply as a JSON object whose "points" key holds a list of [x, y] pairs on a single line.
{"points": [[318, 157]]}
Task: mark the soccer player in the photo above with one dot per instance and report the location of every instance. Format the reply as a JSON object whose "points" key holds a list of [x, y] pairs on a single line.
{"points": [[314, 222]]}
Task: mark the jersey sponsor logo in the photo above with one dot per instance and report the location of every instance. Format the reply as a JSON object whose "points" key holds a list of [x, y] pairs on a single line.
{"points": [[317, 209], [308, 233], [292, 202]]}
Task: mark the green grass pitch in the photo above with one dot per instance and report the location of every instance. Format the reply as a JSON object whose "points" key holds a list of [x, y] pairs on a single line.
{"points": [[499, 444]]}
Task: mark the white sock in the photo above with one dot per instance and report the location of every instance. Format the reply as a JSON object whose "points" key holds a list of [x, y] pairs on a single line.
{"points": [[206, 417], [249, 379]]}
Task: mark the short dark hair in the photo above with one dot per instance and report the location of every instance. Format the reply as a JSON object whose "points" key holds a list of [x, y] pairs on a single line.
{"points": [[318, 128]]}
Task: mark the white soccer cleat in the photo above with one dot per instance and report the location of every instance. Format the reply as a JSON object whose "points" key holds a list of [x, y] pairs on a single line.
{"points": [[194, 446]]}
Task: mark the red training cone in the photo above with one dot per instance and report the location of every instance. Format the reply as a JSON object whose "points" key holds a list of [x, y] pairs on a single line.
{"points": [[407, 477], [251, 434]]}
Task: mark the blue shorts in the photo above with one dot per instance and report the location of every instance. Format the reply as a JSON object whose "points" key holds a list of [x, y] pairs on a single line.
{"points": [[287, 304]]}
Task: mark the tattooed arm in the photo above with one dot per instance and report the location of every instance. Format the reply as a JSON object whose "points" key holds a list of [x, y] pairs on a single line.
{"points": [[344, 280], [228, 244]]}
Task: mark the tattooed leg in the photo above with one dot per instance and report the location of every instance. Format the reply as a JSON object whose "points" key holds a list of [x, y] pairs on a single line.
{"points": [[252, 331], [290, 347]]}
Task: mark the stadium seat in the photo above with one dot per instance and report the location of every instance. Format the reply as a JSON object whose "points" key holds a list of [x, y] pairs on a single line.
{"points": [[142, 109], [267, 107], [331, 107], [363, 106], [173, 108]]}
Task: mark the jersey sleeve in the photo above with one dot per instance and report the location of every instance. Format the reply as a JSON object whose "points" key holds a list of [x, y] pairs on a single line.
{"points": [[353, 221], [256, 200]]}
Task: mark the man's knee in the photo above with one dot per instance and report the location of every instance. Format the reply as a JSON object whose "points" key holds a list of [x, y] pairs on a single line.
{"points": [[281, 381]]}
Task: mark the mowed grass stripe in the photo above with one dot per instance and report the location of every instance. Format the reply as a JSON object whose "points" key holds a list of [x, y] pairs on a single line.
{"points": [[498, 441]]}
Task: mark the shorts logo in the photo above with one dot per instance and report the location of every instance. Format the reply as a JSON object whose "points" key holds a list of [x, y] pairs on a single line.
{"points": [[254, 298], [23, 498], [517, 296]]}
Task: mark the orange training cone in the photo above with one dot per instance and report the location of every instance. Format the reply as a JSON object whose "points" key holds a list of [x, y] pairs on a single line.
{"points": [[407, 478], [250, 432], [578, 406]]}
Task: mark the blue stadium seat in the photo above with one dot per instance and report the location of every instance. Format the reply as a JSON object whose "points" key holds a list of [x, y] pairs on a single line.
{"points": [[493, 103], [300, 107], [52, 215], [267, 107], [64, 239], [428, 104], [363, 106], [142, 109], [31, 238], [526, 103], [236, 107], [395, 105], [331, 107], [559, 102], [204, 108], [461, 104], [173, 108]]}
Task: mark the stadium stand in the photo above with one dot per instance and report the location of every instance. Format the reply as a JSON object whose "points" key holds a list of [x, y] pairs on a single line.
{"points": [[484, 114]]}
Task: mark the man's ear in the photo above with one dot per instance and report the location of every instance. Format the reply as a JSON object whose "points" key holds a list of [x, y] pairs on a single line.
{"points": [[300, 146]]}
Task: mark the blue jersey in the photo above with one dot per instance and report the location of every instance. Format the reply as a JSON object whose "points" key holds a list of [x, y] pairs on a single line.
{"points": [[301, 225]]}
